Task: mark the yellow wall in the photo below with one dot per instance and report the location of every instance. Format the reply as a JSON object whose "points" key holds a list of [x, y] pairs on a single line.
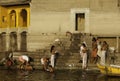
{"points": [[12, 16], [3, 17]]}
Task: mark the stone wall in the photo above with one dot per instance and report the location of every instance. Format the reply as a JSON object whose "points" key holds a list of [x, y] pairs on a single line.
{"points": [[66, 5], [104, 23], [56, 16]]}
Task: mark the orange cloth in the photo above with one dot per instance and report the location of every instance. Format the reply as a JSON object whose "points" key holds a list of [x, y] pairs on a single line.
{"points": [[94, 52]]}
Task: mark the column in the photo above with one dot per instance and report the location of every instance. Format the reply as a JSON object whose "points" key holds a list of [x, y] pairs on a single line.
{"points": [[27, 41], [17, 18], [117, 44], [18, 41], [28, 17], [7, 41]]}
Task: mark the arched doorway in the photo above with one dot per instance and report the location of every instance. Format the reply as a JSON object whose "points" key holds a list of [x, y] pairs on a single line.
{"points": [[3, 42], [12, 19], [24, 41], [13, 41], [23, 18]]}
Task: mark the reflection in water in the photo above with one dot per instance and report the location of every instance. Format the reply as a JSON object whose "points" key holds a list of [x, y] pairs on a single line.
{"points": [[38, 75]]}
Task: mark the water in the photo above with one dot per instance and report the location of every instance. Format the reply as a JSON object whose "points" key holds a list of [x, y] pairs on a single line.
{"points": [[38, 75]]}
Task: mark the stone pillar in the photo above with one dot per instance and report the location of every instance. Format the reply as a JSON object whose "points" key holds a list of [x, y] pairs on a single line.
{"points": [[7, 41], [17, 18], [117, 44], [18, 41], [28, 17]]}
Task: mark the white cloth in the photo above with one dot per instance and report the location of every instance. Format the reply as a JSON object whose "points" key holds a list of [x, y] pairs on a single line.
{"points": [[81, 48], [42, 61], [25, 57], [99, 50], [52, 60], [103, 52], [84, 58]]}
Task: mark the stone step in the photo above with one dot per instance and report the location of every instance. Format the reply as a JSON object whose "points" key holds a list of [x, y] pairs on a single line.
{"points": [[69, 52]]}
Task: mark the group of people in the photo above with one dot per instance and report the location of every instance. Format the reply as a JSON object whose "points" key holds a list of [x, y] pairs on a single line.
{"points": [[24, 61], [10, 62], [49, 63], [99, 52]]}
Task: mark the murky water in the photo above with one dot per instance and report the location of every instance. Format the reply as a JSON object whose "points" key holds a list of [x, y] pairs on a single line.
{"points": [[38, 75]]}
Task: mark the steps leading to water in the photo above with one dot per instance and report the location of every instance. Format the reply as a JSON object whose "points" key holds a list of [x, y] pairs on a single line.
{"points": [[68, 51]]}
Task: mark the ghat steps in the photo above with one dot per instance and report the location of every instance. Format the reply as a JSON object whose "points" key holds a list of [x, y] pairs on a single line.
{"points": [[68, 48]]}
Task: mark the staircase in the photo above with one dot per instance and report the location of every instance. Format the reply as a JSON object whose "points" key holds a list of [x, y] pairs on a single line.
{"points": [[68, 48]]}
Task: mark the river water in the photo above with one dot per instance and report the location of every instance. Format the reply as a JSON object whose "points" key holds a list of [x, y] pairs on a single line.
{"points": [[63, 75]]}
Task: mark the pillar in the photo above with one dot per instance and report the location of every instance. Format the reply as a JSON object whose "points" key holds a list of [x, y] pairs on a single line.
{"points": [[28, 17], [117, 44], [7, 41], [18, 41], [17, 18]]}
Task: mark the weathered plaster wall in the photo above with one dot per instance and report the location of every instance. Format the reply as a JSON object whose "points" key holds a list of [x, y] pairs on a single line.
{"points": [[55, 16], [50, 22], [105, 23]]}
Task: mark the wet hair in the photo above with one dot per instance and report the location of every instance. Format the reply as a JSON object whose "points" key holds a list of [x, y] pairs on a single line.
{"points": [[83, 44], [47, 58], [104, 42], [93, 39], [52, 48]]}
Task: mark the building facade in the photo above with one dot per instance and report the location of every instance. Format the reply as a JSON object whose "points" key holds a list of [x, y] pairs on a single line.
{"points": [[14, 23], [98, 17], [90, 16]]}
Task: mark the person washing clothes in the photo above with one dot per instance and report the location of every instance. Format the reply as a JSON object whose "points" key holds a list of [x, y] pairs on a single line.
{"points": [[24, 59]]}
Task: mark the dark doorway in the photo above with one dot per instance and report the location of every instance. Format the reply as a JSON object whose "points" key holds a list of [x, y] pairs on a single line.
{"points": [[24, 41], [80, 22], [2, 42], [13, 41], [12, 19], [23, 18]]}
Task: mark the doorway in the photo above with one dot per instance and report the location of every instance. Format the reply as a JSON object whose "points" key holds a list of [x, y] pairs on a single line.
{"points": [[24, 41], [80, 22], [12, 18], [3, 42], [23, 18], [13, 41]]}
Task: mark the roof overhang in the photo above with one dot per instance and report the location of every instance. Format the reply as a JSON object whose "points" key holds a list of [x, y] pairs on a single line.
{"points": [[13, 2]]}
